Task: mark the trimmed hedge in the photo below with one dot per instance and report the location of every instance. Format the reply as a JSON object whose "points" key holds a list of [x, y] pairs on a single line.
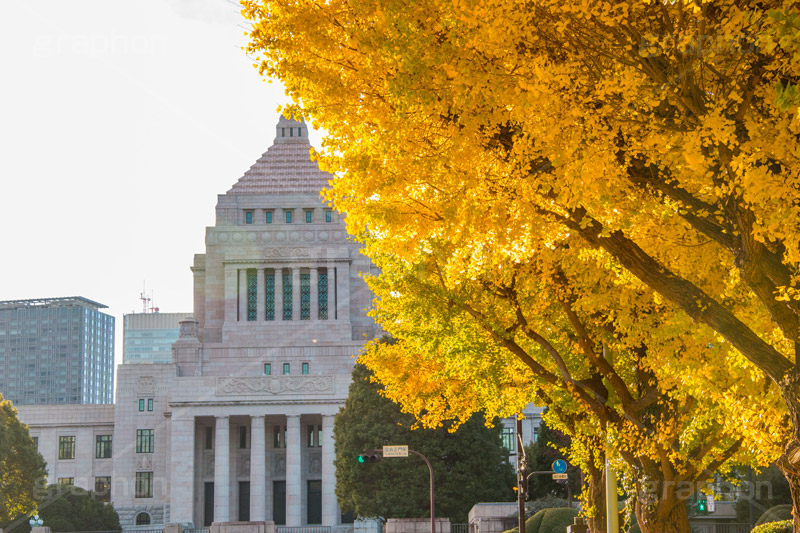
{"points": [[775, 514], [552, 520], [783, 526]]}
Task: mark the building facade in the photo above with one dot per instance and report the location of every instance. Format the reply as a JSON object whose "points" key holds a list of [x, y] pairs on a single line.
{"points": [[148, 337], [56, 351], [237, 425]]}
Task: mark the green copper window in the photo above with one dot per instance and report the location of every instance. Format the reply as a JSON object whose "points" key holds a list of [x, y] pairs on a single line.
{"points": [[288, 216], [309, 216], [144, 441], [328, 215], [269, 293], [305, 296], [248, 217], [287, 294], [268, 217], [322, 289], [252, 295]]}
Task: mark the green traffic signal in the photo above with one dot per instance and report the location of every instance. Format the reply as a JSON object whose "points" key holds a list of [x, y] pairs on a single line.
{"points": [[370, 456], [701, 505], [362, 459]]}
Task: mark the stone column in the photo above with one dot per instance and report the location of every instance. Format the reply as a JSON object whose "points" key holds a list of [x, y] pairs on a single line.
{"points": [[343, 291], [222, 470], [260, 298], [258, 469], [314, 288], [330, 509], [242, 295], [181, 479], [231, 294], [295, 294], [278, 293], [294, 472]]}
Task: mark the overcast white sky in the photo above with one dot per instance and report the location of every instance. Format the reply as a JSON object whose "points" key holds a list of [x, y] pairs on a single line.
{"points": [[120, 122]]}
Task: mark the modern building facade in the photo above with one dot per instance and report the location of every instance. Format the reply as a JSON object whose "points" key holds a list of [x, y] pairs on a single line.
{"points": [[56, 351], [148, 337]]}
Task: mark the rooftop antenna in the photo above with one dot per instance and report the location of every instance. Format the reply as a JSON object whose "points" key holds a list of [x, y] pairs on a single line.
{"points": [[144, 298]]}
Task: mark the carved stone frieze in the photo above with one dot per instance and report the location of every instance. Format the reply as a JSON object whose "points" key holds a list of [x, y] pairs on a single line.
{"points": [[244, 464], [208, 464], [144, 462], [269, 385], [315, 464], [287, 252], [146, 385]]}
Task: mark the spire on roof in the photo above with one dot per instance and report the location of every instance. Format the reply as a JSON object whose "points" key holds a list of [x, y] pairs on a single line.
{"points": [[286, 167]]}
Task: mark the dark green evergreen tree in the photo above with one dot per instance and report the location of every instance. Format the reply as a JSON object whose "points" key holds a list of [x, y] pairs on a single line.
{"points": [[69, 508], [470, 465], [540, 456]]}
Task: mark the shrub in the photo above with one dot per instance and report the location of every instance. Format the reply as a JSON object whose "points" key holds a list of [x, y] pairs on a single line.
{"points": [[552, 520], [783, 526], [548, 502], [775, 514]]}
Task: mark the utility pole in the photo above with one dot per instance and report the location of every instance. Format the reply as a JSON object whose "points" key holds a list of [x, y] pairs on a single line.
{"points": [[522, 480]]}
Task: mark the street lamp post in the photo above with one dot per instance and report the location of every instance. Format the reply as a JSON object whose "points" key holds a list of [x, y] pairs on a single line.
{"points": [[430, 470]]}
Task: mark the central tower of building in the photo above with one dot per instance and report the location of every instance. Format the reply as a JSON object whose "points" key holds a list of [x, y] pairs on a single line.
{"points": [[244, 413]]}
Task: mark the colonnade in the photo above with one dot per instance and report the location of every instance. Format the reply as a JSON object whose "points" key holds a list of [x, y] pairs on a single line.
{"points": [[185, 502]]}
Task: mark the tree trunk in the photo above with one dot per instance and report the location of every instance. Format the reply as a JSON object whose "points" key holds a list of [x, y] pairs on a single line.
{"points": [[669, 515], [789, 461], [596, 498]]}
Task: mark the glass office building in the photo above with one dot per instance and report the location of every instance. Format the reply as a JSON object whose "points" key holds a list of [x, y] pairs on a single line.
{"points": [[56, 351], [148, 337]]}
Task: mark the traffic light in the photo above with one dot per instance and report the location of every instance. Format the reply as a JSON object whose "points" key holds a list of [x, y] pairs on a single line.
{"points": [[370, 456], [701, 504]]}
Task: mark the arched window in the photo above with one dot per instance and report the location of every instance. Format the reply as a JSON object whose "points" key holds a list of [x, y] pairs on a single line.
{"points": [[142, 519]]}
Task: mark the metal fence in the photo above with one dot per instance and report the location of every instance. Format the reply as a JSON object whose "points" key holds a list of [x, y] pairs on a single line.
{"points": [[196, 530], [303, 529], [720, 528], [459, 528]]}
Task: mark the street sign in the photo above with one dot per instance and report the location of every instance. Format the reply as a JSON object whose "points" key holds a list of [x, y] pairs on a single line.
{"points": [[560, 476], [559, 466], [395, 451]]}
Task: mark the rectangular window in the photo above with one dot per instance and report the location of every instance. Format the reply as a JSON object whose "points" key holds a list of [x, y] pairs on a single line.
{"points": [[308, 217], [269, 294], [507, 436], [102, 448], [279, 436], [305, 296], [268, 217], [66, 447], [209, 441], [322, 293], [252, 295], [248, 217], [144, 485], [102, 488], [287, 294], [286, 369], [288, 216], [314, 436], [141, 404], [305, 369], [36, 442], [328, 216], [535, 434], [144, 441], [267, 369], [66, 481], [243, 437], [149, 404]]}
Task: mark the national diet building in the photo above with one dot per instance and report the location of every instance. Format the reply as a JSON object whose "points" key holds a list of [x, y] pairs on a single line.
{"points": [[238, 426]]}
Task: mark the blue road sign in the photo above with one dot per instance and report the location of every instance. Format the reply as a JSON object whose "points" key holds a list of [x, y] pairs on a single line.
{"points": [[559, 466]]}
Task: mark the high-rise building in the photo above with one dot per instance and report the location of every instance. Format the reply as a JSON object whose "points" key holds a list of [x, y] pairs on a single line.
{"points": [[148, 337], [56, 351]]}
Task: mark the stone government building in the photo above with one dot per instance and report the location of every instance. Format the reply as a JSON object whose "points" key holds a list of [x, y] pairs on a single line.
{"points": [[238, 426]]}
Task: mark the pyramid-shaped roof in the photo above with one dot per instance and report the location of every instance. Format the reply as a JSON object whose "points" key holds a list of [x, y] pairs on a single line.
{"points": [[286, 167]]}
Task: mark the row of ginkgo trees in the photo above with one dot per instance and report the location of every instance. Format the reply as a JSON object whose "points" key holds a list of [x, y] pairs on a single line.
{"points": [[592, 205]]}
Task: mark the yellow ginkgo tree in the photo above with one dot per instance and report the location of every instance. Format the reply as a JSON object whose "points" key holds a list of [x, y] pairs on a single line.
{"points": [[659, 138]]}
